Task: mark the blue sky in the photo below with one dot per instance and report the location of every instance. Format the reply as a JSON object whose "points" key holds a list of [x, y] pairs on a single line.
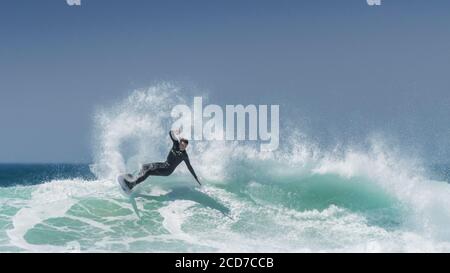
{"points": [[345, 68]]}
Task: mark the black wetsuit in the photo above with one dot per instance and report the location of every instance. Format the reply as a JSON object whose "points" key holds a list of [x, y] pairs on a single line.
{"points": [[175, 157]]}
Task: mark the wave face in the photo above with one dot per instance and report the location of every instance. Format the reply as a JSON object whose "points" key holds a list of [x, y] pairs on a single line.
{"points": [[296, 199]]}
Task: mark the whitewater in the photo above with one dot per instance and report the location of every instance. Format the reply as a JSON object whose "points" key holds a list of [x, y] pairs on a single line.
{"points": [[299, 198]]}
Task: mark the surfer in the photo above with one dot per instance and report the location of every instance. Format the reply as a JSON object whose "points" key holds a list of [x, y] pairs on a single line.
{"points": [[176, 155]]}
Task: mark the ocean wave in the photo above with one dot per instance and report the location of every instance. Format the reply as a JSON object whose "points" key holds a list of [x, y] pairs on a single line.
{"points": [[296, 199]]}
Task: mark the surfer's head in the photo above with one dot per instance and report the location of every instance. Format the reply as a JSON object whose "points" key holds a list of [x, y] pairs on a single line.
{"points": [[183, 144]]}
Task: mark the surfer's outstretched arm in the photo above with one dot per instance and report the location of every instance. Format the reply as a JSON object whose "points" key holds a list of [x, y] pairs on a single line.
{"points": [[173, 136], [189, 166]]}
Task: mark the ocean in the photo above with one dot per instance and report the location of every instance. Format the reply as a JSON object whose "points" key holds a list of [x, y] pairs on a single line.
{"points": [[300, 198]]}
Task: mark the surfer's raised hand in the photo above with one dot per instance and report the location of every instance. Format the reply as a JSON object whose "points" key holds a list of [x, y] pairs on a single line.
{"points": [[177, 131]]}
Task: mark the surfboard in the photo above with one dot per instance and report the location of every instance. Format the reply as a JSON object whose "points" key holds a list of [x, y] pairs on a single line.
{"points": [[123, 186]]}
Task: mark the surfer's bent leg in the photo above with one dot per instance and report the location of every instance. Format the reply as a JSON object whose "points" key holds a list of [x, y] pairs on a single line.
{"points": [[158, 168]]}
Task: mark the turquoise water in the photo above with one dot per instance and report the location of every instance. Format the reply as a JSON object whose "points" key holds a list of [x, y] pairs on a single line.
{"points": [[297, 199], [315, 212]]}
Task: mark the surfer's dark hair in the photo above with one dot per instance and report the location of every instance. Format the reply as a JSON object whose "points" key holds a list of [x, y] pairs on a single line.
{"points": [[185, 141]]}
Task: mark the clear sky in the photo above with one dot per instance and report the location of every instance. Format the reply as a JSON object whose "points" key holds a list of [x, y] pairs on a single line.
{"points": [[347, 69]]}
